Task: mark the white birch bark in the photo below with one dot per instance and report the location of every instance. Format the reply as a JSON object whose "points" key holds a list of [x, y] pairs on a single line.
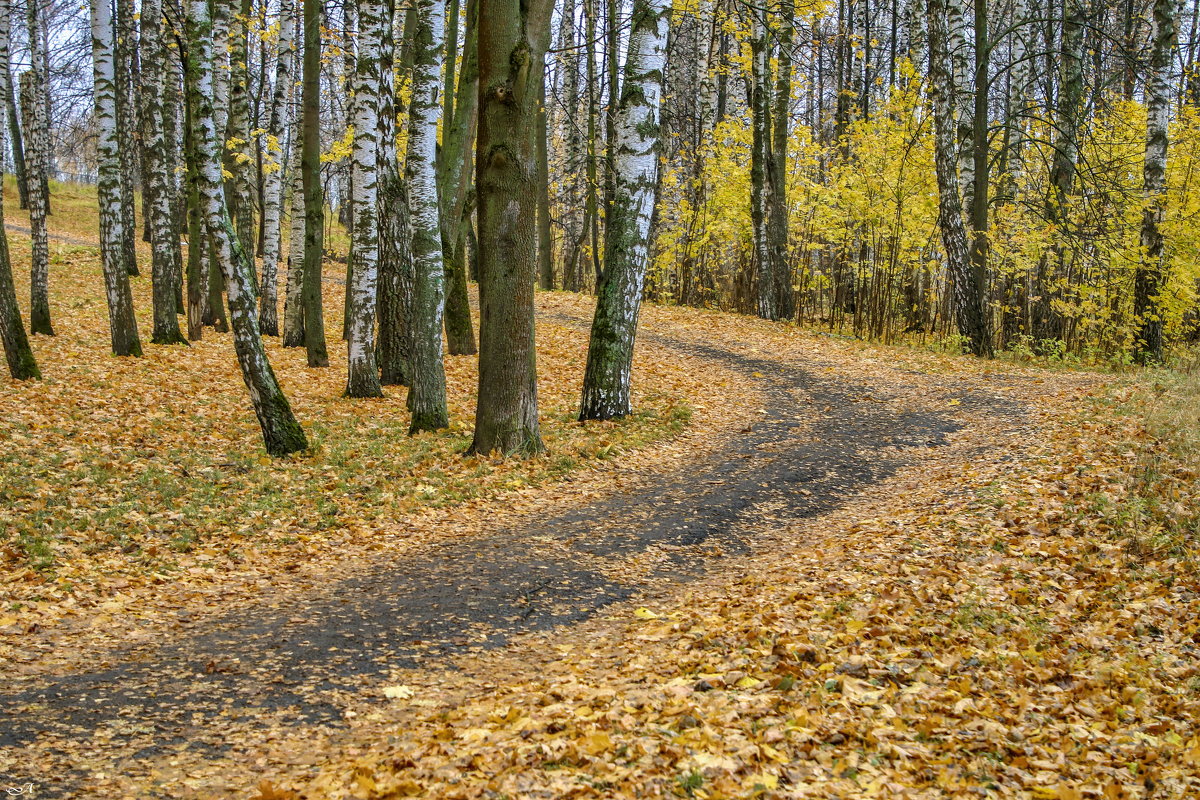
{"points": [[293, 302], [273, 170], [961, 100], [1149, 275], [282, 434], [362, 378], [606, 387], [427, 400], [157, 197], [33, 110], [122, 324]]}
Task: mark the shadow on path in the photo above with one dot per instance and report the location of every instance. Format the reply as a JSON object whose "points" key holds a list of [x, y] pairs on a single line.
{"points": [[817, 444]]}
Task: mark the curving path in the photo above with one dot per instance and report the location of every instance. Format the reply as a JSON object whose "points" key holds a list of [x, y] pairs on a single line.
{"points": [[300, 659]]}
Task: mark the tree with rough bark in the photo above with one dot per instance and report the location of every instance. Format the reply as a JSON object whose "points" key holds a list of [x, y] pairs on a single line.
{"points": [[1148, 277], [157, 198], [454, 180], [606, 382], [21, 363], [513, 38], [281, 432], [362, 378], [274, 164], [395, 228], [33, 113], [427, 394], [314, 195], [113, 228], [968, 281]]}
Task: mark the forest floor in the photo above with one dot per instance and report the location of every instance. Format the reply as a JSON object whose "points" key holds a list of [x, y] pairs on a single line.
{"points": [[811, 567]]}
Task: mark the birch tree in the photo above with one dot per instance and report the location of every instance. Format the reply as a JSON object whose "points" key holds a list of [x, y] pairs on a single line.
{"points": [[967, 282], [606, 380], [17, 352], [1148, 277], [282, 434], [314, 199], [395, 230], [293, 303], [362, 378], [273, 171], [157, 197], [124, 50], [427, 398], [121, 322], [33, 112], [513, 38]]}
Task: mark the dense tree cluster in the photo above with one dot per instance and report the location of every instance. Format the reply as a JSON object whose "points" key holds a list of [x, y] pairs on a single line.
{"points": [[995, 171]]}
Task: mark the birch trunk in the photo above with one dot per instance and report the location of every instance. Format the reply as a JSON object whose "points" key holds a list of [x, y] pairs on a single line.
{"points": [[314, 200], [157, 197], [395, 230], [513, 38], [574, 161], [961, 102], [39, 67], [606, 381], [427, 398], [39, 276], [282, 434], [966, 282], [1148, 278], [273, 172], [362, 378], [18, 354], [239, 158], [198, 311], [293, 302], [123, 49], [760, 185], [121, 322]]}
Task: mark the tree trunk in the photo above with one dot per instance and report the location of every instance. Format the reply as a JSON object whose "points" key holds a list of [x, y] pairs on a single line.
{"points": [[967, 283], [610, 352], [123, 50], [513, 38], [273, 172], [39, 60], [18, 354], [1148, 278], [156, 203], [14, 131], [293, 303], [783, 303], [39, 276], [760, 186], [427, 398], [282, 434], [121, 321], [395, 230], [238, 156], [362, 376], [314, 199], [454, 178]]}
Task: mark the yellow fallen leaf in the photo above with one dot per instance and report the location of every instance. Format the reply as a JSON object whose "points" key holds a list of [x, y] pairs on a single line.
{"points": [[398, 692], [645, 613]]}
